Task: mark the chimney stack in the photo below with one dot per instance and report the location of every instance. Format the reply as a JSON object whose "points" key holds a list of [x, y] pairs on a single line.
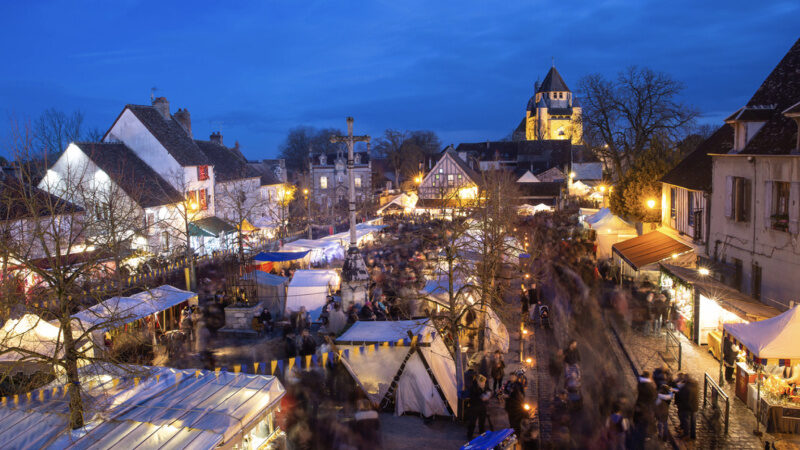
{"points": [[216, 137], [185, 119], [162, 105]]}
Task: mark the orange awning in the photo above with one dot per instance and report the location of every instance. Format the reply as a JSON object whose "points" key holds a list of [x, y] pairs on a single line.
{"points": [[648, 249]]}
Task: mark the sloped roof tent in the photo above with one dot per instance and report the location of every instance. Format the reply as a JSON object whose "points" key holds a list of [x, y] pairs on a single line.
{"points": [[649, 248], [775, 338]]}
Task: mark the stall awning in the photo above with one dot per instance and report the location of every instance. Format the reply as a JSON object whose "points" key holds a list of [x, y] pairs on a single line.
{"points": [[210, 226], [770, 341], [280, 256], [740, 304], [247, 226], [118, 311], [648, 249]]}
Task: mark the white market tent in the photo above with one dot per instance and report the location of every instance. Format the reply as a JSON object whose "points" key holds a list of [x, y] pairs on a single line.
{"points": [[148, 408], [30, 332], [364, 235], [425, 373], [321, 250], [271, 291], [777, 338], [310, 288], [529, 210], [610, 230], [118, 311], [436, 291]]}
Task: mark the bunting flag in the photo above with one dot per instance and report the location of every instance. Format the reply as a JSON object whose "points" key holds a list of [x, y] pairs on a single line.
{"points": [[255, 367], [136, 381], [298, 362], [237, 368], [114, 383], [291, 364], [197, 372], [41, 395], [346, 353], [315, 359], [308, 362], [280, 365], [392, 343], [3, 400], [16, 398], [216, 371], [273, 364], [55, 391], [325, 359], [385, 344], [400, 342], [28, 394], [361, 350], [370, 348], [178, 377], [158, 377]]}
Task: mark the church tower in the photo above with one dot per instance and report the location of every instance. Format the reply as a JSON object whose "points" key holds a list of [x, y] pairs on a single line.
{"points": [[553, 113]]}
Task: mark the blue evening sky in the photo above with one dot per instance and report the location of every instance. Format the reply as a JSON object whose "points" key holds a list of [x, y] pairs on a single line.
{"points": [[464, 69]]}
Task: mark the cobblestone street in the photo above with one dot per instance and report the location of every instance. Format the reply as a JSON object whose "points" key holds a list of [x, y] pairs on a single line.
{"points": [[649, 352]]}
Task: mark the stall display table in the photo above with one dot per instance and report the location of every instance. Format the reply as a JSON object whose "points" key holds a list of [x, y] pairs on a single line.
{"points": [[744, 377], [779, 418], [752, 396]]}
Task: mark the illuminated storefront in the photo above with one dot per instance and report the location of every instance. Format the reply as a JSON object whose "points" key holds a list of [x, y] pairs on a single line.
{"points": [[704, 305]]}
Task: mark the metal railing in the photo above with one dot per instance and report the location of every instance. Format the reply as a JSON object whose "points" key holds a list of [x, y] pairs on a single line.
{"points": [[716, 393], [673, 345]]}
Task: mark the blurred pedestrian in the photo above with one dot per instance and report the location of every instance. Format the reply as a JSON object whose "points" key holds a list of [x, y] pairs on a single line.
{"points": [[688, 401], [498, 371], [476, 410]]}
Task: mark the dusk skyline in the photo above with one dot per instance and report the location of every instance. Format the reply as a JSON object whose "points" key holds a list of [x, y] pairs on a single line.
{"points": [[463, 70]]}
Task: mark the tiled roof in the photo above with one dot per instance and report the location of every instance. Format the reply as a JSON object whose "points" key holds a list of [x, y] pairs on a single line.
{"points": [[266, 170], [331, 158], [171, 135], [469, 171], [17, 199], [553, 82], [146, 187], [228, 165], [694, 171]]}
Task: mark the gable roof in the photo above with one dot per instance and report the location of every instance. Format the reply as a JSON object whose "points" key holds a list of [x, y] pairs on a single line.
{"points": [[170, 134], [266, 170], [146, 187], [694, 171], [17, 199], [553, 82], [468, 171]]}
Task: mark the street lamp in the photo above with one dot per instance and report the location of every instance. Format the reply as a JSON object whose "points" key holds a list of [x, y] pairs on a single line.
{"points": [[651, 203], [308, 212], [703, 271]]}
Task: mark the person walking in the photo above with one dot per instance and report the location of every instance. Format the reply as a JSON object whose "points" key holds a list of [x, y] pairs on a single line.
{"points": [[659, 311], [476, 410], [498, 371], [571, 354], [648, 314], [525, 303], [367, 425], [617, 429], [665, 396], [687, 400], [515, 406], [730, 352], [533, 295]]}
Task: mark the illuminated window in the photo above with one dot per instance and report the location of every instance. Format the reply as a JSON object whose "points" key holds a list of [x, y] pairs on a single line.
{"points": [[323, 182], [357, 182], [450, 179], [202, 173]]}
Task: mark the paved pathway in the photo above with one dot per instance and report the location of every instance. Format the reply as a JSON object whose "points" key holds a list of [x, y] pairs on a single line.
{"points": [[648, 353]]}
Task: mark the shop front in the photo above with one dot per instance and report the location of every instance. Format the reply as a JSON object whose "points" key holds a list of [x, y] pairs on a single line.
{"points": [[704, 305]]}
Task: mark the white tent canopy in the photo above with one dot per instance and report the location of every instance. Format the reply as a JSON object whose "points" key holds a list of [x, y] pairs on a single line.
{"points": [[147, 407], [310, 288], [426, 384], [774, 338], [320, 249], [118, 311], [610, 230], [529, 210], [32, 333]]}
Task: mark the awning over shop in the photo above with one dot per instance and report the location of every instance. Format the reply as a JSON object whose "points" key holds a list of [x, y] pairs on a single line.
{"points": [[210, 226], [280, 256], [246, 226], [742, 305], [774, 339], [648, 249]]}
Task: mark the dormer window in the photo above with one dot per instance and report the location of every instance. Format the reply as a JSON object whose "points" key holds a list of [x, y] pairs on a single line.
{"points": [[358, 158], [323, 160]]}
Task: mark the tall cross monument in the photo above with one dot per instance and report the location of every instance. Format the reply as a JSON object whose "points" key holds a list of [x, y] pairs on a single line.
{"points": [[355, 277]]}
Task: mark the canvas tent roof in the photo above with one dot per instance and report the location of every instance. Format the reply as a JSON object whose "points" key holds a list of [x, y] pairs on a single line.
{"points": [[310, 288], [775, 338], [280, 256], [426, 384], [32, 333], [163, 408], [649, 248], [118, 311], [605, 222]]}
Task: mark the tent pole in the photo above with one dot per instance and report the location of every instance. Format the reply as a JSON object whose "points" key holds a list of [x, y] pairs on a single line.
{"points": [[757, 431], [721, 357]]}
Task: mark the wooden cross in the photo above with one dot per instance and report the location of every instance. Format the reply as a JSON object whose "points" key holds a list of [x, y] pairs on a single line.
{"points": [[350, 140]]}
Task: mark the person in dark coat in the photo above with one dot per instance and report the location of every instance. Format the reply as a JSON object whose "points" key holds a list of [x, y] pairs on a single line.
{"points": [[646, 390], [556, 366], [687, 400], [476, 409], [515, 407], [307, 344], [498, 371], [571, 354], [730, 352], [525, 302]]}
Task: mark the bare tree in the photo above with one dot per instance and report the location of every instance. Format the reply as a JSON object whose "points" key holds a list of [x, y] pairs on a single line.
{"points": [[46, 247], [405, 150], [621, 116], [240, 200], [54, 129], [300, 140]]}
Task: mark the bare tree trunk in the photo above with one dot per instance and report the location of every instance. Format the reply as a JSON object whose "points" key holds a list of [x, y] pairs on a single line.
{"points": [[73, 378]]}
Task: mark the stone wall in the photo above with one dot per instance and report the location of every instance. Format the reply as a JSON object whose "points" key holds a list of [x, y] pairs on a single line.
{"points": [[240, 318]]}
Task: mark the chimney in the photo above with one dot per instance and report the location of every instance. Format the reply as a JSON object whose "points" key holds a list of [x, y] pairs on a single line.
{"points": [[162, 105], [216, 137], [185, 119]]}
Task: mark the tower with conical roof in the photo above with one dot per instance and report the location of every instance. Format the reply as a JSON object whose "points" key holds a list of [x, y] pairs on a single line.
{"points": [[553, 112]]}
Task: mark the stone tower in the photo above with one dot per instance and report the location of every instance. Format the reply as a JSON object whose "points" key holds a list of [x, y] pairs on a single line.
{"points": [[553, 112]]}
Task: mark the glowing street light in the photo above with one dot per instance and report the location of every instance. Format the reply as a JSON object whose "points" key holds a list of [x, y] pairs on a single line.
{"points": [[602, 188], [651, 203], [418, 179], [703, 271], [527, 407]]}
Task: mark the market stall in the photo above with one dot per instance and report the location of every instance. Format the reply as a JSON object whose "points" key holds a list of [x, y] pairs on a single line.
{"points": [[609, 229], [31, 333], [310, 289], [154, 310], [271, 292], [638, 257], [322, 251], [704, 304], [269, 261], [149, 407], [771, 349]]}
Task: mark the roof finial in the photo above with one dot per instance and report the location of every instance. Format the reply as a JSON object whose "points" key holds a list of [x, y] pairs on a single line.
{"points": [[553, 58]]}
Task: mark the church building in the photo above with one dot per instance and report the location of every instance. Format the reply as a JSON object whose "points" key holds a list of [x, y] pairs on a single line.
{"points": [[552, 113]]}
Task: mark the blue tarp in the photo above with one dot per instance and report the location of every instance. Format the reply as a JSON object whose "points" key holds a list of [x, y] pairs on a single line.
{"points": [[488, 440], [279, 256]]}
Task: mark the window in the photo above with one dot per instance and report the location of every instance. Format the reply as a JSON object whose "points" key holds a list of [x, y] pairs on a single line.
{"points": [[357, 181], [459, 177], [164, 240], [738, 192], [756, 281], [697, 220], [323, 182], [690, 207], [450, 179], [780, 206], [202, 173], [673, 201], [203, 199], [437, 175]]}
